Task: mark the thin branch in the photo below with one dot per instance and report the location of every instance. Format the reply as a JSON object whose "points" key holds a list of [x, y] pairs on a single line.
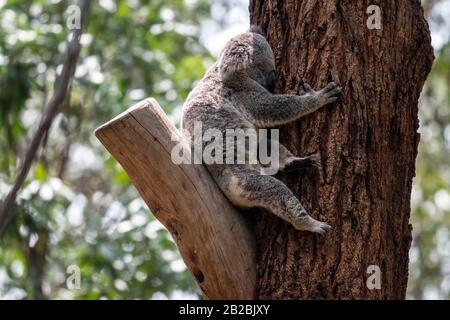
{"points": [[52, 108]]}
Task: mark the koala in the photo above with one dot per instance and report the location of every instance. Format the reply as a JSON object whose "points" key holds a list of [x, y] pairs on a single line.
{"points": [[237, 93]]}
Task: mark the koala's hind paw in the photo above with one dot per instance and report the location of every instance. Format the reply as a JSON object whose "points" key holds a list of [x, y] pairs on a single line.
{"points": [[321, 228], [315, 226]]}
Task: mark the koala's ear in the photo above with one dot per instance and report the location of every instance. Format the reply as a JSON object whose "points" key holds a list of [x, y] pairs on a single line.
{"points": [[235, 58], [257, 29]]}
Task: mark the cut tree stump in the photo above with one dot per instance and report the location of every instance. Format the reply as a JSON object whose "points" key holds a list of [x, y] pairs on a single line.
{"points": [[213, 238]]}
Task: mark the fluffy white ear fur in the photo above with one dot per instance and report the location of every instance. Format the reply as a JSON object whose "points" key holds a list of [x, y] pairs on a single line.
{"points": [[234, 59]]}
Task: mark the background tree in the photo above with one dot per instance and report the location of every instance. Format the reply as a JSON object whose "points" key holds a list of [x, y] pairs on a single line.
{"points": [[368, 145]]}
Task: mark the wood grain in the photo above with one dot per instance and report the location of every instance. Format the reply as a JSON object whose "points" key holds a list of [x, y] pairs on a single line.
{"points": [[367, 143], [213, 238]]}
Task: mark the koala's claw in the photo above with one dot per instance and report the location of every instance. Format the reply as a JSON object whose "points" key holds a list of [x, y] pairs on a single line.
{"points": [[313, 160], [330, 86], [321, 227], [330, 93], [313, 225], [306, 89]]}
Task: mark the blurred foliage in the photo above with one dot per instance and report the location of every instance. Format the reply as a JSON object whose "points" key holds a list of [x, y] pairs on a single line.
{"points": [[430, 253], [78, 206]]}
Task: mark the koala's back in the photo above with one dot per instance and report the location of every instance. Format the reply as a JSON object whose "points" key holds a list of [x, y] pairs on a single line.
{"points": [[211, 103]]}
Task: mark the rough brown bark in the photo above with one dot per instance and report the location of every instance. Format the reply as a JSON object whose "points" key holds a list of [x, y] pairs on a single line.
{"points": [[367, 142], [213, 238]]}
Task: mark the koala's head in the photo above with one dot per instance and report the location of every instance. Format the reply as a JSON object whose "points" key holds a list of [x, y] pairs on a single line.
{"points": [[248, 54]]}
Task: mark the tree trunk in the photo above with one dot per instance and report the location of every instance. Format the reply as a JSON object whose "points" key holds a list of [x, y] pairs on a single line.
{"points": [[367, 142]]}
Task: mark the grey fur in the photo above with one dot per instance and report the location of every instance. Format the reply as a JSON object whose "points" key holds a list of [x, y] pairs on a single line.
{"points": [[236, 93]]}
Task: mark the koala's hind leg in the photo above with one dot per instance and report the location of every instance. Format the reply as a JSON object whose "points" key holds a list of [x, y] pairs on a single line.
{"points": [[247, 188]]}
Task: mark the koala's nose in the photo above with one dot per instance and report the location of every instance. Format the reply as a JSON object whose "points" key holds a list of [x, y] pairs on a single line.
{"points": [[271, 81]]}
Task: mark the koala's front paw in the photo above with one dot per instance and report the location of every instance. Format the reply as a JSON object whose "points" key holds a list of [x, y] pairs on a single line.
{"points": [[307, 89], [329, 94]]}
